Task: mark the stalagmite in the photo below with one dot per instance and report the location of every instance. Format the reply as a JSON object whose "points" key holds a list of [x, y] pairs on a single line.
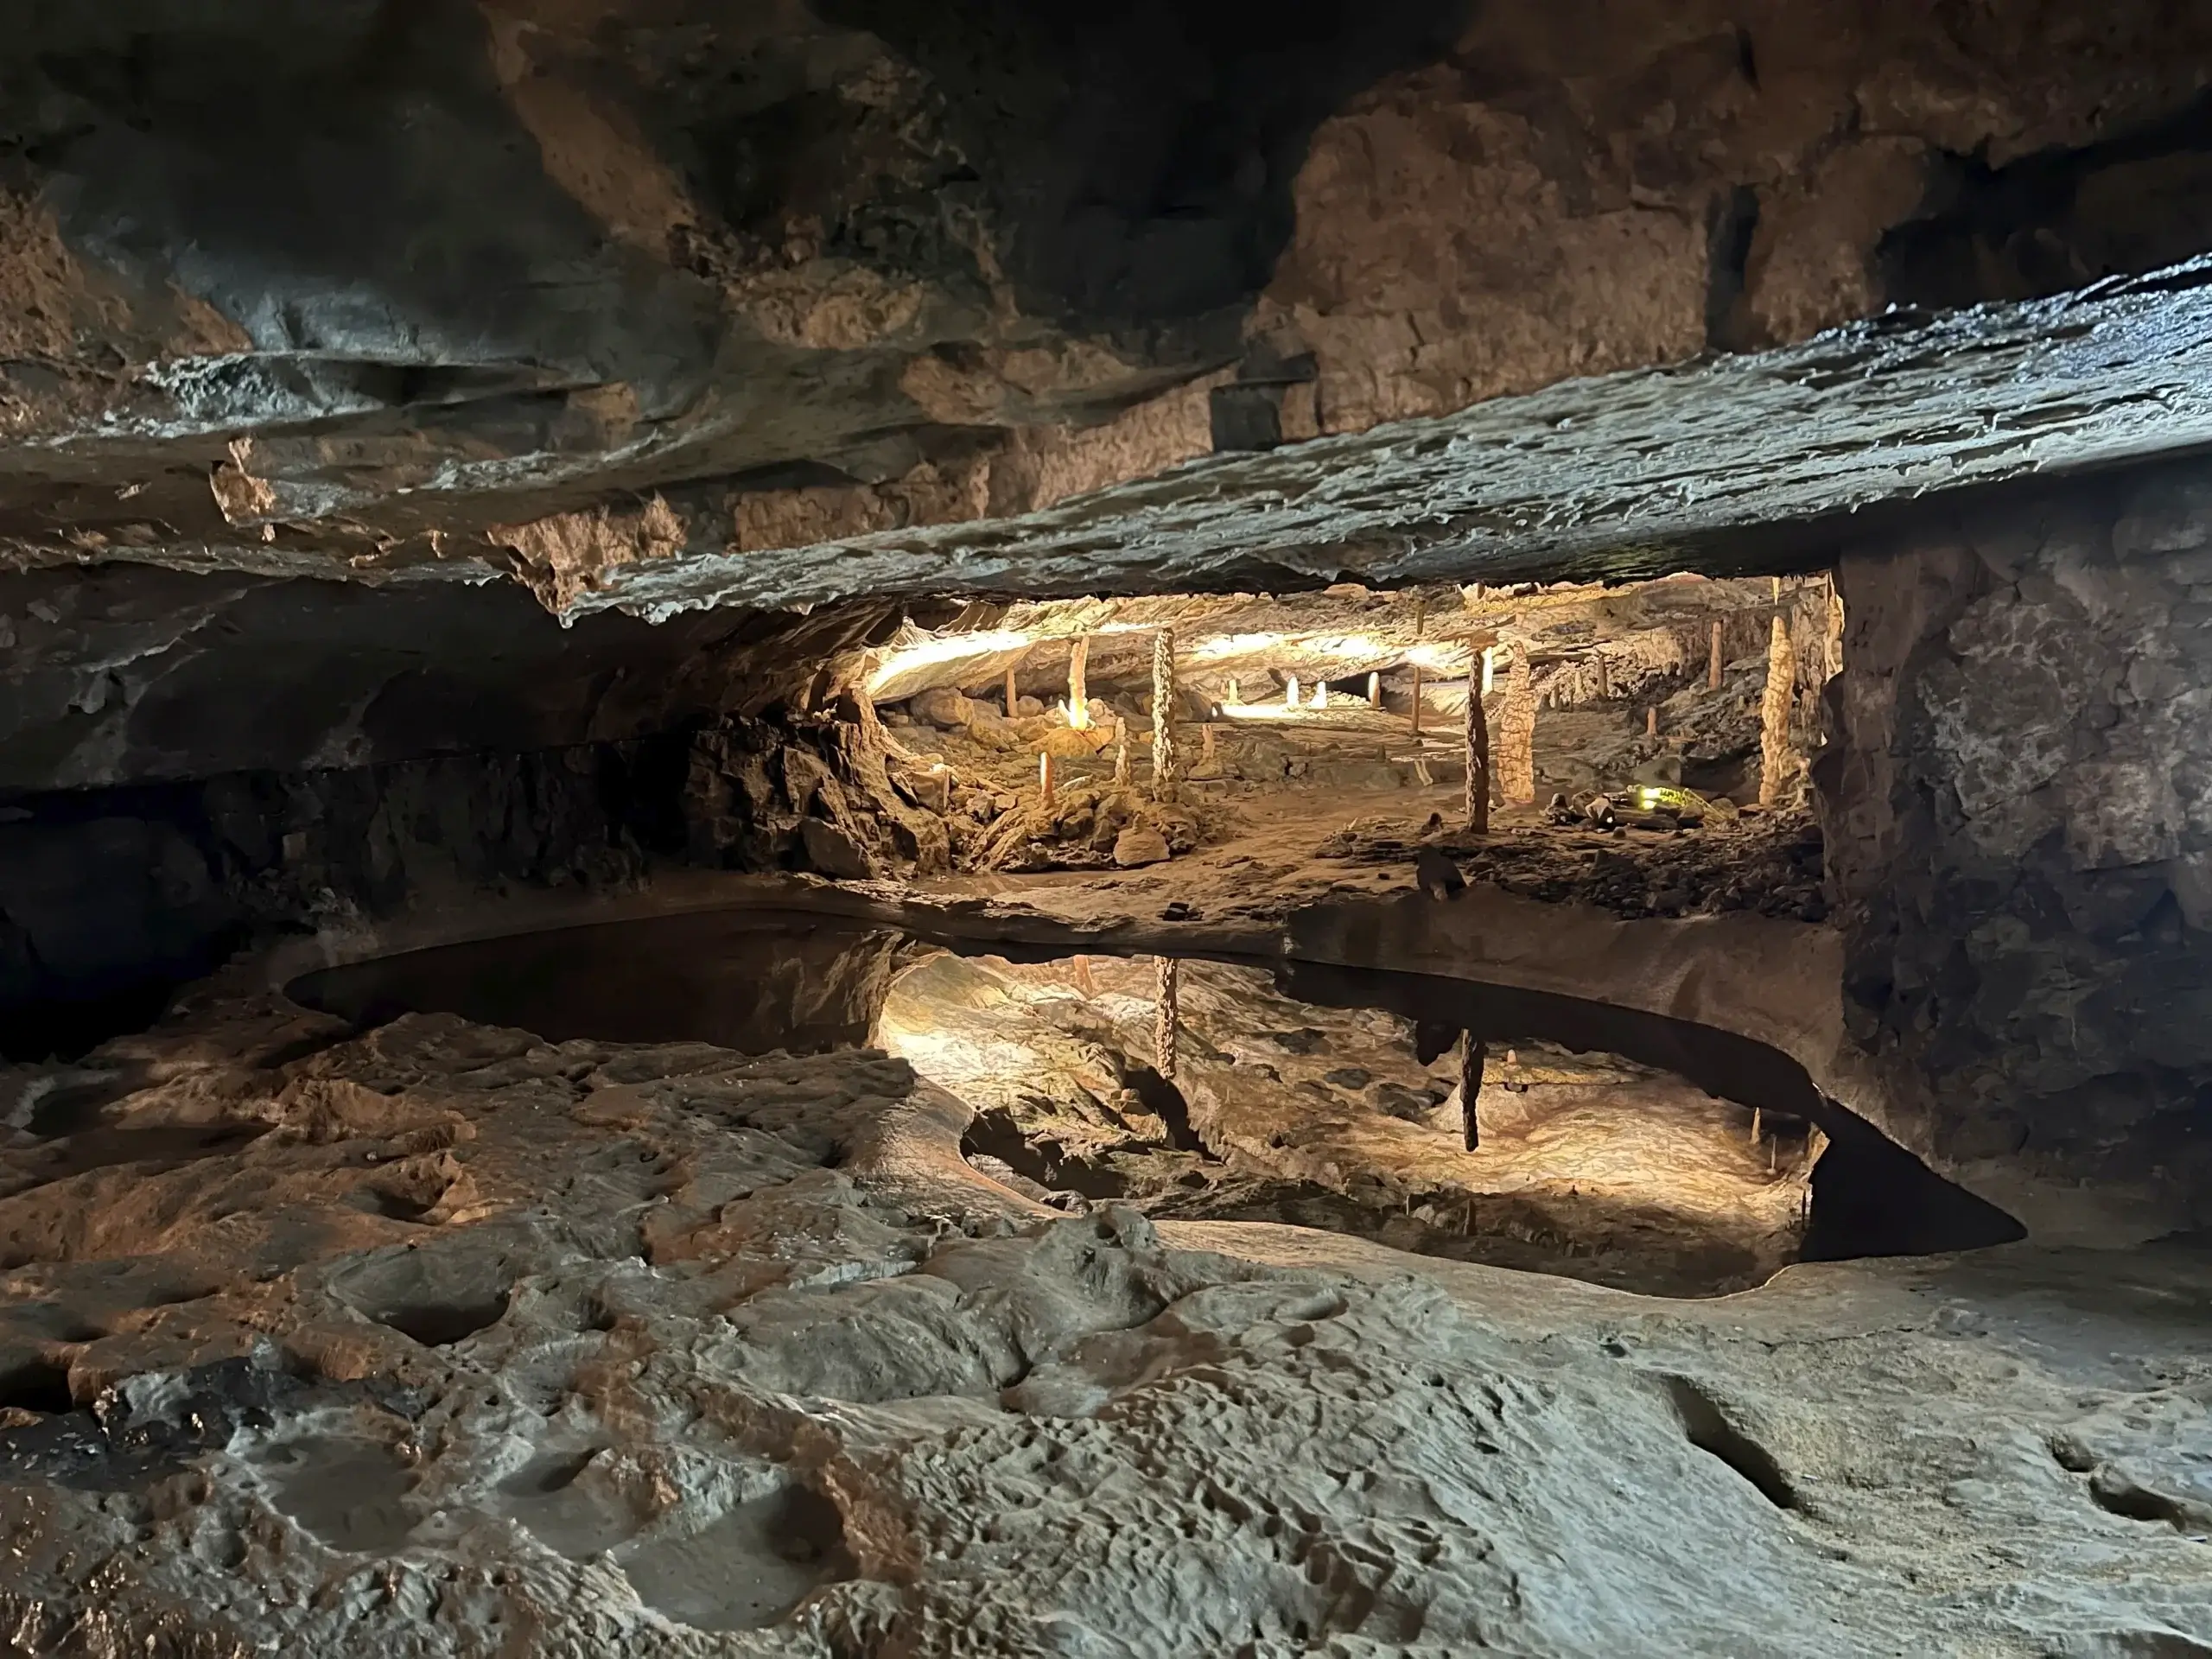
{"points": [[1420, 624], [1044, 777], [1478, 758], [1205, 743], [1084, 981], [1651, 721], [1375, 690], [1165, 772], [1774, 715], [1517, 733], [1758, 1124], [1011, 697], [1320, 694], [1167, 1022], [1604, 681], [1472, 1052], [1121, 751], [1235, 698], [1078, 691], [1290, 691], [1713, 662], [1490, 669]]}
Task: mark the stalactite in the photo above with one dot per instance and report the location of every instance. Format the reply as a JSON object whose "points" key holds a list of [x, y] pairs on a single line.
{"points": [[1775, 760], [1167, 1020], [1517, 731], [1166, 773]]}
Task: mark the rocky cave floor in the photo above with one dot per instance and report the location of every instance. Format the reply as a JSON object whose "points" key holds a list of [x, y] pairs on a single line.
{"points": [[441, 1338], [437, 1336]]}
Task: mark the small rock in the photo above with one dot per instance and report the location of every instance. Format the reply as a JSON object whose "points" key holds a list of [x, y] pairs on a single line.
{"points": [[834, 853], [1139, 845], [1181, 910]]}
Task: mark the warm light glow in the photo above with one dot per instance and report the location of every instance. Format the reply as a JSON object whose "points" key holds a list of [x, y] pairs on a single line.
{"points": [[940, 649], [1077, 718], [1235, 644]]}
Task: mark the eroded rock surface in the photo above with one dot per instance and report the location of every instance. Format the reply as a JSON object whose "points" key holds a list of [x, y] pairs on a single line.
{"points": [[461, 1338], [614, 299]]}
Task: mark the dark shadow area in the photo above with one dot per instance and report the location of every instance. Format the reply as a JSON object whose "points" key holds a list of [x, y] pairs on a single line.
{"points": [[737, 979], [2057, 219], [1144, 153]]}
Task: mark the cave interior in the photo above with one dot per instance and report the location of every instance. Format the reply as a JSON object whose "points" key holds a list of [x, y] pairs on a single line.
{"points": [[840, 828]]}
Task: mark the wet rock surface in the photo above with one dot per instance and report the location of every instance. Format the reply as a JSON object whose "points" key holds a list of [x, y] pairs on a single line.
{"points": [[620, 297], [691, 1352]]}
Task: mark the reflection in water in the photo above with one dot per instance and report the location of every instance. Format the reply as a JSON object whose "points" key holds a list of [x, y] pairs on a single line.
{"points": [[1610, 1144]]}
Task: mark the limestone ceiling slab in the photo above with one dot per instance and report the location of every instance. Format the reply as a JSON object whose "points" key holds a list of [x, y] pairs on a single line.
{"points": [[1625, 475]]}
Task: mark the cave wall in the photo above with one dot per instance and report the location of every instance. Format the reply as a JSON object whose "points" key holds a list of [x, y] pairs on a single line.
{"points": [[2016, 797]]}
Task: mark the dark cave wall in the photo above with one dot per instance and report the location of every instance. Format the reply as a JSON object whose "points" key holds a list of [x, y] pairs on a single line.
{"points": [[111, 898], [2018, 803]]}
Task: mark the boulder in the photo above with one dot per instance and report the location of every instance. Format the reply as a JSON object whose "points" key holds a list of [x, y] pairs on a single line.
{"points": [[1140, 844], [834, 853], [942, 707]]}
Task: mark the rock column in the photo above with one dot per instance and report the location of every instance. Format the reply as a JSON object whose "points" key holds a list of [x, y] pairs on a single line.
{"points": [[1166, 771], [1774, 715], [1477, 752], [1167, 1019], [1517, 733]]}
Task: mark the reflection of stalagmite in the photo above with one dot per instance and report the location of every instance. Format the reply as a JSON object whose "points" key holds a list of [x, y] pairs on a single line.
{"points": [[1079, 686], [1774, 715], [1164, 769], [1517, 733], [1477, 756], [1472, 1052], [1167, 1022]]}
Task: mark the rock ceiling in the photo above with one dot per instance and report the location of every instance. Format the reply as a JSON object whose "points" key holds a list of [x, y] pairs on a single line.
{"points": [[658, 306]]}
